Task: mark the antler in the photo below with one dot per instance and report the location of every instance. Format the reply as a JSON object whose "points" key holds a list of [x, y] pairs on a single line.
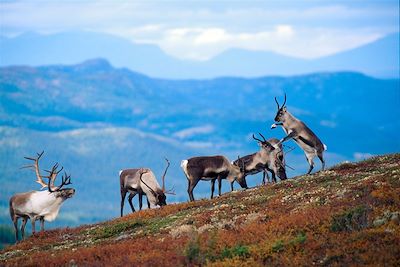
{"points": [[277, 102], [163, 177], [66, 180], [170, 191], [262, 137], [257, 139], [143, 171], [284, 102], [39, 179], [52, 177]]}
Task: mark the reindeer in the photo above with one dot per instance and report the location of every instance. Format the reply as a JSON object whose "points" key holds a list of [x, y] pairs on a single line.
{"points": [[269, 158], [301, 134], [131, 181], [42, 205], [211, 168]]}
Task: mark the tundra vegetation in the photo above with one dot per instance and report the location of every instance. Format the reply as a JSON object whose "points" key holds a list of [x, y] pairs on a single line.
{"points": [[346, 215]]}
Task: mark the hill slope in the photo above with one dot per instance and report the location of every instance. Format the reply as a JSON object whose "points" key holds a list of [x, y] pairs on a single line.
{"points": [[348, 215]]}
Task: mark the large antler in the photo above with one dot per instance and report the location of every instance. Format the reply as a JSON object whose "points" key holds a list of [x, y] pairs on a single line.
{"points": [[143, 171], [171, 191], [52, 177], [35, 166], [66, 180]]}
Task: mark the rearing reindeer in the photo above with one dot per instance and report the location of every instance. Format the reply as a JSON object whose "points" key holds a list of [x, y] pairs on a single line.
{"points": [[42, 205], [301, 134]]}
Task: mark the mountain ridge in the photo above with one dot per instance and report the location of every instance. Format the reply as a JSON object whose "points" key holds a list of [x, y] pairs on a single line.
{"points": [[378, 59]]}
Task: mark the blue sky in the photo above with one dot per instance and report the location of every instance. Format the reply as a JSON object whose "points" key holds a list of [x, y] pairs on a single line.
{"points": [[202, 29]]}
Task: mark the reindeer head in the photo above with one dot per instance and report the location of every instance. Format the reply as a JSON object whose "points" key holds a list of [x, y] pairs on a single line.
{"points": [[239, 173], [59, 191], [159, 194], [280, 114], [264, 144]]}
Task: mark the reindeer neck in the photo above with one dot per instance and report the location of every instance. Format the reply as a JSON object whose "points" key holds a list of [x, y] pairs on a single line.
{"points": [[289, 120]]}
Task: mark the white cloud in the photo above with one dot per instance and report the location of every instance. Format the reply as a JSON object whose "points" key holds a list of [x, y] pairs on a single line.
{"points": [[199, 145], [200, 30], [328, 123], [361, 156], [189, 132]]}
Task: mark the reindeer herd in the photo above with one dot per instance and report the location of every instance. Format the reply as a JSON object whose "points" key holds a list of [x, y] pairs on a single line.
{"points": [[45, 205]]}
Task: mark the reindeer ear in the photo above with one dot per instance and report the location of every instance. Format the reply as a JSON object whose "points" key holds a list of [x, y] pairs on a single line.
{"points": [[284, 108]]}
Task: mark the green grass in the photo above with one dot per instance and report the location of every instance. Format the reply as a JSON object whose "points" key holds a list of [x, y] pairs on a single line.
{"points": [[352, 220]]}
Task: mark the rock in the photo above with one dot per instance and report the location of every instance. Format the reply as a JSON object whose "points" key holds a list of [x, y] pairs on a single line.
{"points": [[395, 217], [379, 221], [252, 217], [204, 228], [182, 230], [123, 236]]}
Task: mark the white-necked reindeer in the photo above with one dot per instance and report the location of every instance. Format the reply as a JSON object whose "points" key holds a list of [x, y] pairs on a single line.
{"points": [[270, 158], [42, 205], [301, 134], [142, 181], [211, 168]]}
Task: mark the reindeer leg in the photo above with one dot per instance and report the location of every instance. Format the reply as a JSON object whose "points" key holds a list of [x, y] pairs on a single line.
{"points": [[264, 174], [131, 195], [219, 185], [42, 224], [290, 135], [123, 195], [140, 201], [33, 220], [191, 186], [212, 188], [148, 203], [24, 221], [15, 222], [273, 179], [321, 158], [310, 161]]}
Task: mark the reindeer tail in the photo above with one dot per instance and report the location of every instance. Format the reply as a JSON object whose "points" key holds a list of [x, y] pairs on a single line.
{"points": [[325, 147], [11, 210], [184, 164]]}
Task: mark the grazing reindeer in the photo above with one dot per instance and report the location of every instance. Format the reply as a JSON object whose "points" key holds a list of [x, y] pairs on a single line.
{"points": [[211, 168], [302, 135], [268, 158], [131, 181], [42, 205]]}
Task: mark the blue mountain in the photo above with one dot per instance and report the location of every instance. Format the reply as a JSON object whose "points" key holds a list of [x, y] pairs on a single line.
{"points": [[378, 59]]}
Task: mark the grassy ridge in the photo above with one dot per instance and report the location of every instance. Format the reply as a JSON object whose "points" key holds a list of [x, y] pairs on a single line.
{"points": [[347, 215]]}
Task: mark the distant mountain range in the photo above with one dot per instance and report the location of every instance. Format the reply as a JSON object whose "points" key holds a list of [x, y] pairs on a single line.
{"points": [[377, 59], [96, 119]]}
